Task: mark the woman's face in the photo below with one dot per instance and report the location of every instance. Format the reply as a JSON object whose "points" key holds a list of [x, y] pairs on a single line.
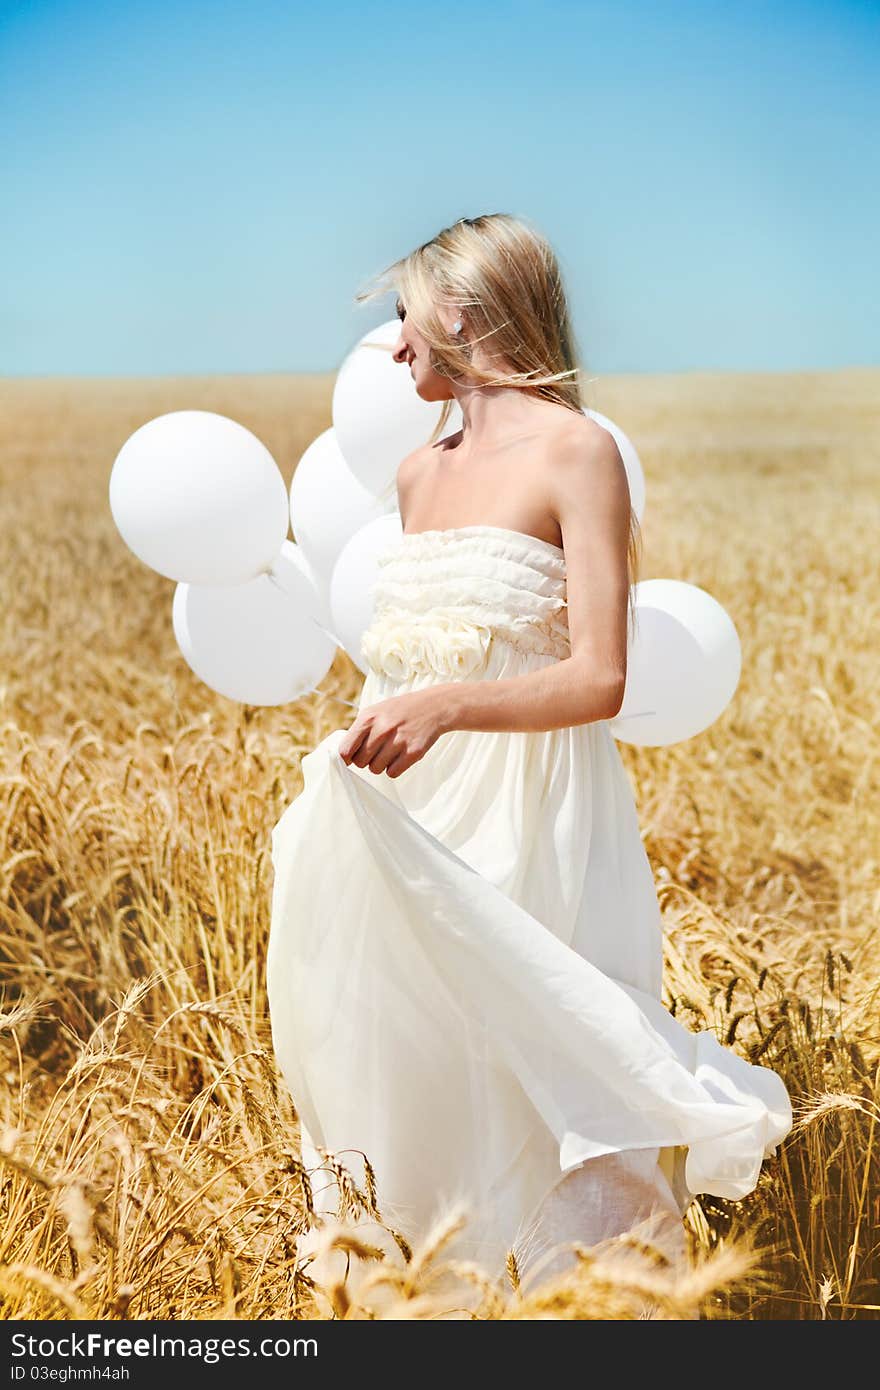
{"points": [[413, 352]]}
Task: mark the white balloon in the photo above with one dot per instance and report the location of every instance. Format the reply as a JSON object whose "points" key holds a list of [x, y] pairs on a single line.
{"points": [[199, 499], [354, 574], [634, 473], [328, 504], [683, 665], [259, 642], [290, 568], [378, 415]]}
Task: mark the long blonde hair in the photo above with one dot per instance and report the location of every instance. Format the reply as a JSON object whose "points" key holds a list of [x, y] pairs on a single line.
{"points": [[507, 279]]}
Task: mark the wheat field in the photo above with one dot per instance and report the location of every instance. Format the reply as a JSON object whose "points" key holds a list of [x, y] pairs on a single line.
{"points": [[149, 1164]]}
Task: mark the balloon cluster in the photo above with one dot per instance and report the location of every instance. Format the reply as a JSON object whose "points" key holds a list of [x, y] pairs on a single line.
{"points": [[258, 617]]}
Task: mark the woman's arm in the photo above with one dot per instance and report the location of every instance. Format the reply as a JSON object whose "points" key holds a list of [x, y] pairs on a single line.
{"points": [[592, 500]]}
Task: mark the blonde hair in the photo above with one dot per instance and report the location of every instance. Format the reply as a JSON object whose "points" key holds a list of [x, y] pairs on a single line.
{"points": [[504, 279]]}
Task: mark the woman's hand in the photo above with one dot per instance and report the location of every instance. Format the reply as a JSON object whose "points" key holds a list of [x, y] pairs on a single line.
{"points": [[393, 734]]}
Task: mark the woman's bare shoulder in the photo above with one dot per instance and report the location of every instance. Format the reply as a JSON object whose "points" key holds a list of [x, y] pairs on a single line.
{"points": [[580, 441], [584, 473]]}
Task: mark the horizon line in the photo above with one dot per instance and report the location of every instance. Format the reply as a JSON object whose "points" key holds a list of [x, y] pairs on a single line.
{"points": [[333, 371]]}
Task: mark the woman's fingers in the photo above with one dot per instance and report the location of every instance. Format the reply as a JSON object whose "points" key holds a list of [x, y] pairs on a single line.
{"points": [[371, 746], [346, 745], [349, 750], [399, 764], [379, 751], [354, 739], [380, 760], [368, 744]]}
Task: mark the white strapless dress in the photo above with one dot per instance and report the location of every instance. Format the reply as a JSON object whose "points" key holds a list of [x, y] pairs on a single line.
{"points": [[464, 964]]}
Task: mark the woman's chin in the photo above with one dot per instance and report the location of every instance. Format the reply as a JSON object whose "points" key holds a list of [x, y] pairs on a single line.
{"points": [[433, 392]]}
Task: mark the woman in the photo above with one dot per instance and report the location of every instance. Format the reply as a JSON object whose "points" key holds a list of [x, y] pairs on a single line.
{"points": [[465, 956]]}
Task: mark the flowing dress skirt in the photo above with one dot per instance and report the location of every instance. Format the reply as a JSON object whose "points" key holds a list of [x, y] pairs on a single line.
{"points": [[464, 978]]}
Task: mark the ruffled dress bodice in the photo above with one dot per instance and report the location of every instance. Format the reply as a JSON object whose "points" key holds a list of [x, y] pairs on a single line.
{"points": [[445, 601]]}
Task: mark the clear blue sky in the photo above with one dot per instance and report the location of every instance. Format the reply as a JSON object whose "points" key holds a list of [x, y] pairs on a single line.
{"points": [[202, 187]]}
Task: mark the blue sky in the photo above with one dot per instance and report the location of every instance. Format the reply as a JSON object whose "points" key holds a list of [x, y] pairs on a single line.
{"points": [[202, 187]]}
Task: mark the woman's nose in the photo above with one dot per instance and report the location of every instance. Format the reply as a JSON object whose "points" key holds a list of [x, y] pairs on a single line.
{"points": [[400, 349]]}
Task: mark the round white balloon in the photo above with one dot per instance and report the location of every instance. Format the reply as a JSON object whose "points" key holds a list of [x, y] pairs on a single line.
{"points": [[199, 499], [328, 504], [354, 574], [291, 569], [258, 643], [683, 665], [634, 472], [378, 415]]}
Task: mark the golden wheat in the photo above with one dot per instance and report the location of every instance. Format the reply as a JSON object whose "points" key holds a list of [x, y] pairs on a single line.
{"points": [[149, 1163]]}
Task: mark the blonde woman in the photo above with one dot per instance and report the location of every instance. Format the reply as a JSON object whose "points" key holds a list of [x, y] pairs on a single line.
{"points": [[464, 968]]}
